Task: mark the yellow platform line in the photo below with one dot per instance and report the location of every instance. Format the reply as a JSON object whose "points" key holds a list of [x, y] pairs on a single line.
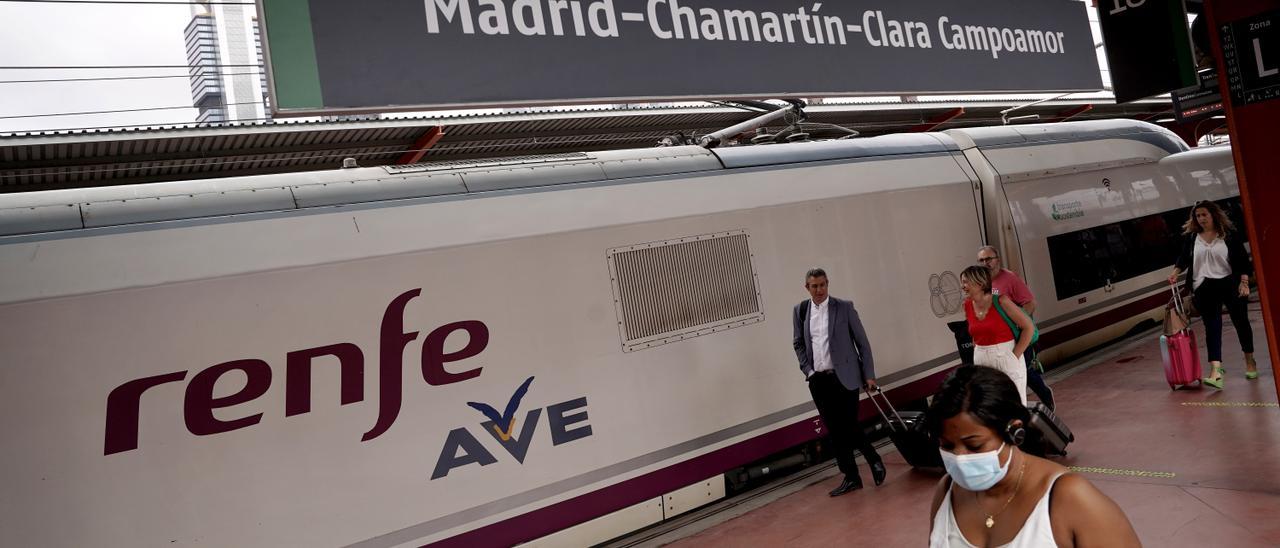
{"points": [[1229, 404], [1123, 472]]}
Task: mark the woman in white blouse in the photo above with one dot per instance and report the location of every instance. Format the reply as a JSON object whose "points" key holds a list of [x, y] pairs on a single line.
{"points": [[1218, 269]]}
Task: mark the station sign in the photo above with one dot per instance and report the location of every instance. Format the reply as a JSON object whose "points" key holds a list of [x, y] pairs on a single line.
{"points": [[339, 56], [1251, 58], [1148, 45], [1198, 102]]}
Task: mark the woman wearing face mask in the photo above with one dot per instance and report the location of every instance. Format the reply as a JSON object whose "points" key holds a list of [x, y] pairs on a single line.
{"points": [[996, 495], [993, 341], [1219, 275]]}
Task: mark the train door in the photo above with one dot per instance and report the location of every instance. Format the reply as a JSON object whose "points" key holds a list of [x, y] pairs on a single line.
{"points": [[994, 214]]}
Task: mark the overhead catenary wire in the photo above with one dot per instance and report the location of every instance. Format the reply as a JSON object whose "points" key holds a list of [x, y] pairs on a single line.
{"points": [[128, 2], [113, 78], [146, 126], [120, 67], [116, 111]]}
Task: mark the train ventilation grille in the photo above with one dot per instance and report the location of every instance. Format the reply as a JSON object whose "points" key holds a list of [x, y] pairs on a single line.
{"points": [[669, 291]]}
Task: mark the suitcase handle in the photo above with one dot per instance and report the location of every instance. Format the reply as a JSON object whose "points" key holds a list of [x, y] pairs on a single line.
{"points": [[871, 395], [1178, 303]]}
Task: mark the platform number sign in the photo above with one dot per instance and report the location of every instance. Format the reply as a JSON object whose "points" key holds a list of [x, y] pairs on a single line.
{"points": [[1148, 46], [1251, 51], [1121, 5]]}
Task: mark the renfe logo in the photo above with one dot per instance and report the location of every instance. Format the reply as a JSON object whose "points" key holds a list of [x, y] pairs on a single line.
{"points": [[502, 427], [199, 402]]}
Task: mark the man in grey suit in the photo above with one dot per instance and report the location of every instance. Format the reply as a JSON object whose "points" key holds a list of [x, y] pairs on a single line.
{"points": [[835, 358]]}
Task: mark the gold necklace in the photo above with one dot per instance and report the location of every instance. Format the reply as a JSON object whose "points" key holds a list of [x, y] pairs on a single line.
{"points": [[982, 316], [991, 518]]}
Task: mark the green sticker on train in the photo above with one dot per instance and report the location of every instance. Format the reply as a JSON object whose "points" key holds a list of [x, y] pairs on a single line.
{"points": [[1067, 210]]}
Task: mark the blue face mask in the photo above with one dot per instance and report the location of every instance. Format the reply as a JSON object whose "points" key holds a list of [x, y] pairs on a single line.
{"points": [[978, 471]]}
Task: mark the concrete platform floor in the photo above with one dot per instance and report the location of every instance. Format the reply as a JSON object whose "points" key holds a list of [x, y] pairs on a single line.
{"points": [[1224, 459]]}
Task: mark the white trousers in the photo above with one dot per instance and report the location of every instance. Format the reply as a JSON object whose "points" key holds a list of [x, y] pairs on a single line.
{"points": [[1000, 356]]}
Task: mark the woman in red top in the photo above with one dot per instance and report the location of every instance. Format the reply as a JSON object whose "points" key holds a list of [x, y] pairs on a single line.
{"points": [[993, 342]]}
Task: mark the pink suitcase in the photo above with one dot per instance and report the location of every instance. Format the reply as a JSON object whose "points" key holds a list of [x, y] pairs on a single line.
{"points": [[1178, 350], [1181, 359]]}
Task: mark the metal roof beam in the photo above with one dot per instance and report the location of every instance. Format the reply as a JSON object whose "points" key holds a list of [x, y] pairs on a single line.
{"points": [[1070, 113], [425, 141], [934, 122]]}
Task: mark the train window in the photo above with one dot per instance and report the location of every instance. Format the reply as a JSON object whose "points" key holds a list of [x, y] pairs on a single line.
{"points": [[669, 291], [1205, 177], [1145, 190], [1089, 259]]}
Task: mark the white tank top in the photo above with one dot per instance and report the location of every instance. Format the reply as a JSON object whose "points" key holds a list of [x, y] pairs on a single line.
{"points": [[1035, 533]]}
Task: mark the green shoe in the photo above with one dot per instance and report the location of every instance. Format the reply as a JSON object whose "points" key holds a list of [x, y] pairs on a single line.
{"points": [[1215, 382], [1251, 375]]}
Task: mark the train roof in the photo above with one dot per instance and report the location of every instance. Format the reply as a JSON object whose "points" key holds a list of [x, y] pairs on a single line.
{"points": [[83, 208], [1041, 134], [98, 157]]}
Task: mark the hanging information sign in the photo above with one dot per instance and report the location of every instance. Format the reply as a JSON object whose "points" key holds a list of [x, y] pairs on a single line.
{"points": [[377, 55]]}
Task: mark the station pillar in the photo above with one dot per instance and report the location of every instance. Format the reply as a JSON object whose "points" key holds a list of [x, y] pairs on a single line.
{"points": [[1245, 37]]}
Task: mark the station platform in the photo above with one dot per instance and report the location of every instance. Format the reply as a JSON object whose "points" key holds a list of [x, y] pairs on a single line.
{"points": [[1193, 467]]}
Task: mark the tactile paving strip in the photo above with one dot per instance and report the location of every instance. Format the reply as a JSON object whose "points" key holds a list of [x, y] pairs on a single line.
{"points": [[1229, 404], [1123, 472]]}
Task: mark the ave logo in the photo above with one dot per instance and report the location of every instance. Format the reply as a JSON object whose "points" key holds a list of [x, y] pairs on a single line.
{"points": [[566, 421]]}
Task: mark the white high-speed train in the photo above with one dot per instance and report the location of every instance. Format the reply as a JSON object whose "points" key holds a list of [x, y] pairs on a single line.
{"points": [[553, 349]]}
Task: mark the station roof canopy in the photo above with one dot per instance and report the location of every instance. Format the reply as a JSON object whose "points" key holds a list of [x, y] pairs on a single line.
{"points": [[70, 159]]}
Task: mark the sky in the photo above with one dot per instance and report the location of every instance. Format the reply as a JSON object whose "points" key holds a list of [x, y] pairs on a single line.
{"points": [[35, 34], [91, 34]]}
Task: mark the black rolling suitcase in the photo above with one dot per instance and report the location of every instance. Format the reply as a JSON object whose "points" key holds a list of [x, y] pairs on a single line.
{"points": [[1048, 435], [964, 342], [908, 434]]}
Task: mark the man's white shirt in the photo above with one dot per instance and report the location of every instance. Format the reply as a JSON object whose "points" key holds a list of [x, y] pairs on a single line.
{"points": [[819, 335]]}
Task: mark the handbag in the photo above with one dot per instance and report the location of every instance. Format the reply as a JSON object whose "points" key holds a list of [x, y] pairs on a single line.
{"points": [[1175, 314], [1017, 333], [1189, 304]]}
